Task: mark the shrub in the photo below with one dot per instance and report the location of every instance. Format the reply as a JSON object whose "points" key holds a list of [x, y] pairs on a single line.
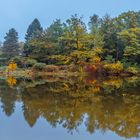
{"points": [[96, 59], [109, 59], [39, 66], [114, 82], [52, 68], [132, 70], [30, 62], [113, 68], [23, 62], [18, 60], [73, 68], [91, 68]]}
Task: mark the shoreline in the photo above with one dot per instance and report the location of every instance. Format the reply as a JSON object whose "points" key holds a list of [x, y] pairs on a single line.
{"points": [[29, 73]]}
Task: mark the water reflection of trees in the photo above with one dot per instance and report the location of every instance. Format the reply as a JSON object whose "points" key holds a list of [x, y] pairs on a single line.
{"points": [[8, 98], [110, 104]]}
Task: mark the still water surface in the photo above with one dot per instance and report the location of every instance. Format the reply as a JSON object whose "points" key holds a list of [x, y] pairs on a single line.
{"points": [[70, 108]]}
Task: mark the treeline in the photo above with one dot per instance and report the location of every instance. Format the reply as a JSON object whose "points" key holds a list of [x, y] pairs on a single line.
{"points": [[112, 42]]}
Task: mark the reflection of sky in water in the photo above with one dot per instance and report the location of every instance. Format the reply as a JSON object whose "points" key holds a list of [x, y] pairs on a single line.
{"points": [[16, 128], [109, 104]]}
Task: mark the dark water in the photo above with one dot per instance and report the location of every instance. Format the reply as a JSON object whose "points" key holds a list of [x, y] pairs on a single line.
{"points": [[70, 108]]}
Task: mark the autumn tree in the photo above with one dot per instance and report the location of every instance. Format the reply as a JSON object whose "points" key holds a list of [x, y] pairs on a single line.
{"points": [[74, 32]]}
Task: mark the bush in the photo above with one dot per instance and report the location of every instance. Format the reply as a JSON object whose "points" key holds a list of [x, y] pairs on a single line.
{"points": [[23, 62], [96, 60], [132, 70], [18, 60], [73, 68], [39, 66], [30, 62], [109, 59], [114, 68], [52, 68]]}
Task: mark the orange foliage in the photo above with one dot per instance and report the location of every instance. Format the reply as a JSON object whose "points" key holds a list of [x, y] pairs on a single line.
{"points": [[96, 89], [12, 66], [11, 81], [96, 59]]}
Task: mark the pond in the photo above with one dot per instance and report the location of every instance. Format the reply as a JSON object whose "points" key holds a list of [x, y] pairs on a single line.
{"points": [[70, 108]]}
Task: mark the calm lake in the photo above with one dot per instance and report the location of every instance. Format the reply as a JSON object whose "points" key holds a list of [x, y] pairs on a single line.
{"points": [[70, 108]]}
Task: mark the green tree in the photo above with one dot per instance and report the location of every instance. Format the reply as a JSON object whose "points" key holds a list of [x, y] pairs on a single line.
{"points": [[74, 32], [41, 49], [131, 43], [0, 44], [109, 31], [34, 31], [94, 23], [54, 31], [10, 46], [128, 20]]}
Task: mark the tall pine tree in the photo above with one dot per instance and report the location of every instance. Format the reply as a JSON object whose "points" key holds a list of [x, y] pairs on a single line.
{"points": [[34, 31], [10, 46]]}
